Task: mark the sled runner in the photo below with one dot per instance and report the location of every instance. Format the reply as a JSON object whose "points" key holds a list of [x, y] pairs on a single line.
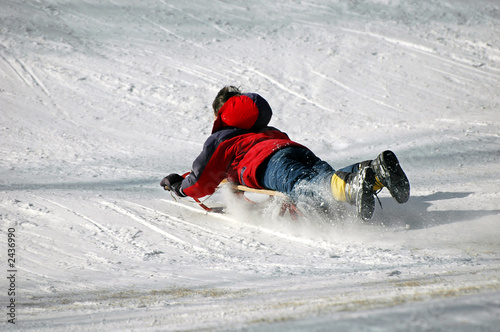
{"points": [[287, 204]]}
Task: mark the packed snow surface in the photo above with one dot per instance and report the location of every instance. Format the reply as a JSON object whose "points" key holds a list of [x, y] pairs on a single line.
{"points": [[101, 99]]}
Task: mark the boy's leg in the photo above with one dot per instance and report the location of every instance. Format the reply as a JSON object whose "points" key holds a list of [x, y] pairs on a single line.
{"points": [[299, 173], [388, 173], [289, 166]]}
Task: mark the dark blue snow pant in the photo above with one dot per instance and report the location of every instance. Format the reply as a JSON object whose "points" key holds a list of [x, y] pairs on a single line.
{"points": [[298, 171]]}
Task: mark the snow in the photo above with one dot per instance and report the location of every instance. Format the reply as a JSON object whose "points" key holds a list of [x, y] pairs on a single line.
{"points": [[101, 99]]}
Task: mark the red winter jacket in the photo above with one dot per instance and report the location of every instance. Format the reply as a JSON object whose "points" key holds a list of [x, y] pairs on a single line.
{"points": [[240, 142]]}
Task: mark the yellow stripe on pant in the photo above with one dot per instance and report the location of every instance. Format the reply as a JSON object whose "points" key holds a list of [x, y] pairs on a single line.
{"points": [[338, 188]]}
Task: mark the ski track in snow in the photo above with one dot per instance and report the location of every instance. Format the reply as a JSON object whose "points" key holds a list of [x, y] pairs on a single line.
{"points": [[100, 100]]}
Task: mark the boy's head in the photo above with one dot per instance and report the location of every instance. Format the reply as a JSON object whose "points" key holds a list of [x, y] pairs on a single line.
{"points": [[240, 110], [224, 94]]}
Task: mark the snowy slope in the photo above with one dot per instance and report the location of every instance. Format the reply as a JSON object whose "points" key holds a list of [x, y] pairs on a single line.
{"points": [[101, 99]]}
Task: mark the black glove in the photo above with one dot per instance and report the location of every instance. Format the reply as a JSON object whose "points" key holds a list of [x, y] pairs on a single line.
{"points": [[173, 182]]}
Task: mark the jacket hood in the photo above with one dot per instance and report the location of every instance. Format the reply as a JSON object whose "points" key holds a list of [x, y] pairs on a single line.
{"points": [[247, 111]]}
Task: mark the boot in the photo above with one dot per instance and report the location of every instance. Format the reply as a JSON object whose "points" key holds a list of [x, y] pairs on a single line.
{"points": [[356, 189], [389, 174]]}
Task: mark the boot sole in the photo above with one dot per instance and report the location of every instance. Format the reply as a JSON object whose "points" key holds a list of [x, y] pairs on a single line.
{"points": [[366, 201], [395, 178]]}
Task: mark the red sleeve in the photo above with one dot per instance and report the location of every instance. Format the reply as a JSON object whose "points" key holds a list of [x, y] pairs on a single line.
{"points": [[211, 166]]}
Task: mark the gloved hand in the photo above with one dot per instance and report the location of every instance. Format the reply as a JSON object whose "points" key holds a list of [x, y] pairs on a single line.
{"points": [[173, 182]]}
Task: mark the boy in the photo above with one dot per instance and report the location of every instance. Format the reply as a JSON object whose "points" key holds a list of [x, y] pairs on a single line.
{"points": [[245, 150]]}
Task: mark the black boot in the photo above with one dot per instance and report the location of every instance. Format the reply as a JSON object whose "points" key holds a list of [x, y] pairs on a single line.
{"points": [[359, 192], [390, 174]]}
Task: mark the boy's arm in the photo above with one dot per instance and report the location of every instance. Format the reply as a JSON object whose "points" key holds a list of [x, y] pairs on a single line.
{"points": [[208, 170]]}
